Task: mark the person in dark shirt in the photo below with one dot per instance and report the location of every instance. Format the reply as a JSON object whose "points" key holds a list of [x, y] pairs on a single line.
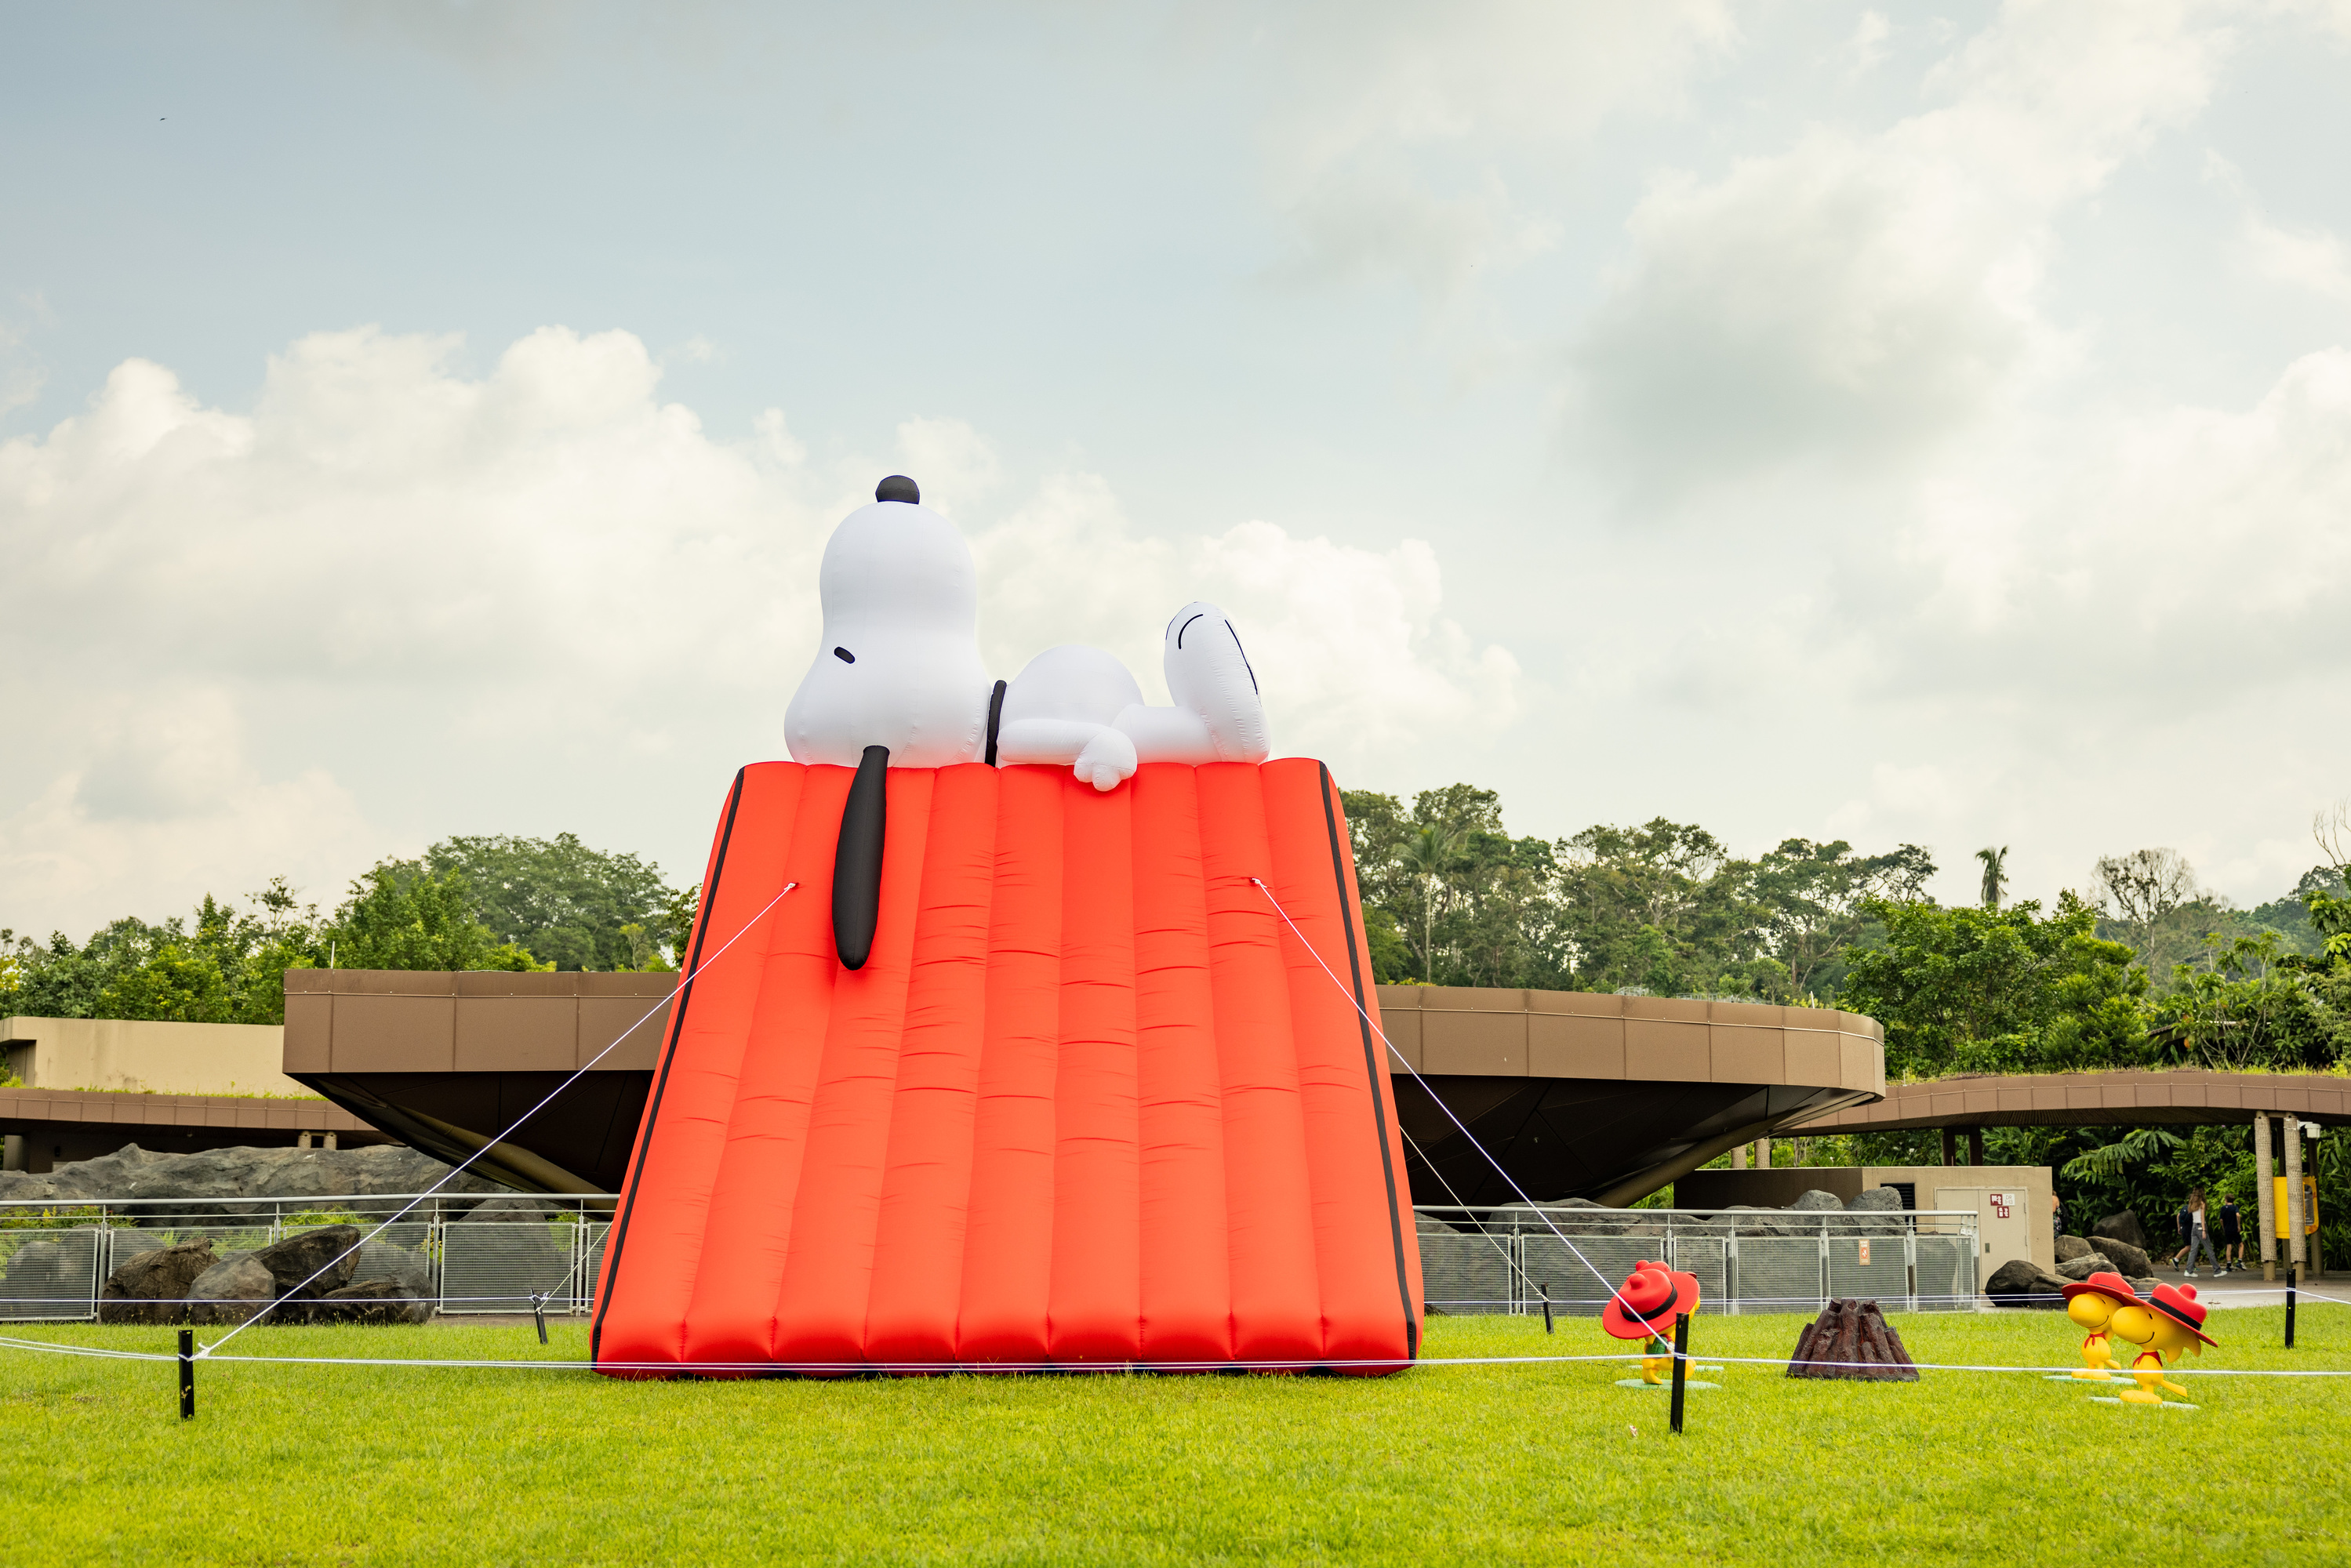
{"points": [[2232, 1239]]}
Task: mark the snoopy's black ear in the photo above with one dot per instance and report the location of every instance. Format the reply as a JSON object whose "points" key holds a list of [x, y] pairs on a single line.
{"points": [[898, 487]]}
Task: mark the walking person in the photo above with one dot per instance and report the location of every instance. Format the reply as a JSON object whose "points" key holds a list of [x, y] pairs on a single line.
{"points": [[2182, 1226], [2232, 1238], [2199, 1238]]}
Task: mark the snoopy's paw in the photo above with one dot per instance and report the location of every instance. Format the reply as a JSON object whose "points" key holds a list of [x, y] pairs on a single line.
{"points": [[1107, 761]]}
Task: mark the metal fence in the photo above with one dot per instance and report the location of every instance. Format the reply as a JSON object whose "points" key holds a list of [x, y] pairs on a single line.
{"points": [[1512, 1259], [55, 1256]]}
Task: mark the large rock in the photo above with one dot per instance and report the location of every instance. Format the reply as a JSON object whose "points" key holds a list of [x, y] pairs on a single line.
{"points": [[152, 1285], [242, 1173], [40, 1271], [2124, 1228], [231, 1290], [1818, 1202], [2127, 1259], [2072, 1247], [2082, 1268], [1882, 1199], [314, 1262], [511, 1210], [372, 1302], [412, 1272], [2020, 1283]]}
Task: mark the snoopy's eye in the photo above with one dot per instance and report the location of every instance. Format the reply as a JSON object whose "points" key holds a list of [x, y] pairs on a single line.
{"points": [[844, 655]]}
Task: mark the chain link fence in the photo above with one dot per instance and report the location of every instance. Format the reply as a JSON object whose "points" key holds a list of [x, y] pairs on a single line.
{"points": [[466, 1253], [1513, 1259]]}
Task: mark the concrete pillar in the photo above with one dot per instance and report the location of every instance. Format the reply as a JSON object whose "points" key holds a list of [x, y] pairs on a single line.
{"points": [[2295, 1248], [329, 1138], [1762, 1153], [1975, 1145], [1950, 1147], [2264, 1198], [12, 1159], [1739, 1158], [301, 1140]]}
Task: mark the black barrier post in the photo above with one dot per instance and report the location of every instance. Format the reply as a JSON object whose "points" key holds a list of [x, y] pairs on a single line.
{"points": [[2292, 1273], [187, 1374], [1681, 1363], [1546, 1296], [539, 1311]]}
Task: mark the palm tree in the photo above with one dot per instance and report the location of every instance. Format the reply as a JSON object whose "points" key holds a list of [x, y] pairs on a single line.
{"points": [[1431, 856], [1995, 875]]}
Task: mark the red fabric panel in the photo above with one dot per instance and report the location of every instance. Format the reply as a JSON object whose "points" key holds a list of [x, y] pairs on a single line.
{"points": [[918, 1253], [1089, 1102], [1186, 1278], [828, 1274], [1358, 1262], [1008, 1242], [1277, 1300], [1095, 1313]]}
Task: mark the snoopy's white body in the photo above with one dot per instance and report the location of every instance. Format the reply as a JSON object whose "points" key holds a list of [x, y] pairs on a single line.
{"points": [[901, 600]]}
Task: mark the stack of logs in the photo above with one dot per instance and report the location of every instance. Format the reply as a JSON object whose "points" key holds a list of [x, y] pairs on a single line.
{"points": [[1851, 1339]]}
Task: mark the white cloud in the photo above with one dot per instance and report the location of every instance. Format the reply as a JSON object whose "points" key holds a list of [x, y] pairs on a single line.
{"points": [[394, 601], [1861, 297], [1392, 118]]}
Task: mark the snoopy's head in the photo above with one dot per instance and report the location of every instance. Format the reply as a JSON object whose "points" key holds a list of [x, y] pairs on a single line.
{"points": [[898, 662]]}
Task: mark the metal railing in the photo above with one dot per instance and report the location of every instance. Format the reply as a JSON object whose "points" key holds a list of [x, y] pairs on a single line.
{"points": [[1494, 1260], [56, 1254]]}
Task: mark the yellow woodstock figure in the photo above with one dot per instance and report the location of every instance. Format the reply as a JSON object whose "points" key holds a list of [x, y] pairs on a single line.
{"points": [[2171, 1320], [2093, 1304], [1644, 1307]]}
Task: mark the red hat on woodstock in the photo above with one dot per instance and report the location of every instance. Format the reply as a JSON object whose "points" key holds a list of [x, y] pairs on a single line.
{"points": [[1648, 1301], [2179, 1304], [2104, 1283]]}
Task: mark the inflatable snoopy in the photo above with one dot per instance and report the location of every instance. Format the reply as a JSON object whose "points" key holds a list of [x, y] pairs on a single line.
{"points": [[898, 683], [898, 667]]}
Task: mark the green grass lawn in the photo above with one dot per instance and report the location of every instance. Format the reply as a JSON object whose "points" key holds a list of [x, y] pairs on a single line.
{"points": [[369, 1465]]}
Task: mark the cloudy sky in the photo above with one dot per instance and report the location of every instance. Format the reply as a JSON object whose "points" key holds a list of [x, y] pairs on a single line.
{"points": [[1889, 424]]}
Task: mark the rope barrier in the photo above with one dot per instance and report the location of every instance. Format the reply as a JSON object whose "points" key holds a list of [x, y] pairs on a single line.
{"points": [[458, 1169]]}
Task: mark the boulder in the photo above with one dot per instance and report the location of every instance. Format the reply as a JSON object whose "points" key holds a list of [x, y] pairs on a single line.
{"points": [[2020, 1283], [152, 1285], [231, 1290], [2124, 1228], [1817, 1202], [240, 1173], [412, 1272], [511, 1211], [314, 1262], [375, 1302], [1877, 1200], [1851, 1339], [41, 1272], [2127, 1259], [2082, 1268], [2072, 1247]]}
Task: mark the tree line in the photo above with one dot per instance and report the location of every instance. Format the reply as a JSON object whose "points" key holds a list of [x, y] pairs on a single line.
{"points": [[467, 903], [2142, 968]]}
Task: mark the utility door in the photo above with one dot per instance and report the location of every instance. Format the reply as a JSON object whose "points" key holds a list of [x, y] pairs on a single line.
{"points": [[2004, 1222]]}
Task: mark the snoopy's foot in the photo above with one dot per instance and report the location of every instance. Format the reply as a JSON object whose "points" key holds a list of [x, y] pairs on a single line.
{"points": [[2139, 1397], [1107, 761], [2094, 1374]]}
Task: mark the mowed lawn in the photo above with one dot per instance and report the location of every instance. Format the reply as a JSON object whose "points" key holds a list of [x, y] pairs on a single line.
{"points": [[1469, 1464]]}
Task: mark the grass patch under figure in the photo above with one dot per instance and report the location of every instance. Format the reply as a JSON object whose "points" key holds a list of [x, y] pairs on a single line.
{"points": [[366, 1465]]}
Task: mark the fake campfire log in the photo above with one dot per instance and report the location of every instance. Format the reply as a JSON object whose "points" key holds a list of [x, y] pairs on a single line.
{"points": [[1851, 1339]]}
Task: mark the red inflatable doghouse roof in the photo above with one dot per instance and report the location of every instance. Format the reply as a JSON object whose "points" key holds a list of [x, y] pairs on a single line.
{"points": [[1090, 1102]]}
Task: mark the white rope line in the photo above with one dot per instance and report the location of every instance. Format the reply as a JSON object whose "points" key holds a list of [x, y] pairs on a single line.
{"points": [[937, 1368], [1615, 1293], [1513, 1263], [206, 1351]]}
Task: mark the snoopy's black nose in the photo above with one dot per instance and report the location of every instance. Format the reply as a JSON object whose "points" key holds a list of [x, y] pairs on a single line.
{"points": [[898, 487]]}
